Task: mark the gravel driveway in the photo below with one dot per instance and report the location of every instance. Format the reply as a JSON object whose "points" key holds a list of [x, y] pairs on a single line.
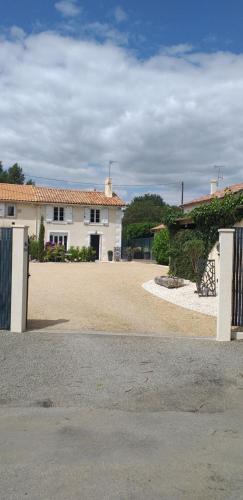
{"points": [[107, 297]]}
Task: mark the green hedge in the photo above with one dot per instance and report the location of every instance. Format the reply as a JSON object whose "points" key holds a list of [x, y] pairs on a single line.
{"points": [[183, 247], [161, 246], [33, 248]]}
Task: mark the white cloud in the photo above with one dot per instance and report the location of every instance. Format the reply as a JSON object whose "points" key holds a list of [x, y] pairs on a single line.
{"points": [[177, 50], [105, 31], [17, 33], [68, 8], [120, 14], [68, 106]]}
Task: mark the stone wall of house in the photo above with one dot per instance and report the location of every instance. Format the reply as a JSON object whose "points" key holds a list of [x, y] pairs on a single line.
{"points": [[78, 231]]}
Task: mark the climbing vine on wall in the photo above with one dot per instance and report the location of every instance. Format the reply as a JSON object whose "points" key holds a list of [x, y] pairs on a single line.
{"points": [[207, 219]]}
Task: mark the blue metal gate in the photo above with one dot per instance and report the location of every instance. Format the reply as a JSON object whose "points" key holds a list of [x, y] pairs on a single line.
{"points": [[237, 288], [5, 277]]}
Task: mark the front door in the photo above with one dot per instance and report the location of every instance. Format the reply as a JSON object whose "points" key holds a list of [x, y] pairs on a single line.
{"points": [[95, 244]]}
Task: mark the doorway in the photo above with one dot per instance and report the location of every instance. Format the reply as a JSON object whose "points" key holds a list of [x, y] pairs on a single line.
{"points": [[95, 244]]}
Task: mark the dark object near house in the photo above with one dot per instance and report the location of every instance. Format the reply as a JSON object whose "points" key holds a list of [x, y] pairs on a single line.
{"points": [[237, 288], [6, 236], [117, 254], [146, 255], [206, 280], [95, 244], [169, 281], [110, 255]]}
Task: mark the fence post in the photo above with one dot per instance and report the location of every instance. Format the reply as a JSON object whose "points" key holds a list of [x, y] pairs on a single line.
{"points": [[19, 279], [226, 242]]}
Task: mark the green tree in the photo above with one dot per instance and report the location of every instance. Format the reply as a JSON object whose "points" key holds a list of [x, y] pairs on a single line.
{"points": [[194, 249], [15, 175], [41, 241], [161, 245], [148, 208], [3, 173]]}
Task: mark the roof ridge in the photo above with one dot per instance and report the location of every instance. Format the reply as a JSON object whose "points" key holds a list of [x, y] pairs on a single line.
{"points": [[209, 196], [44, 194]]}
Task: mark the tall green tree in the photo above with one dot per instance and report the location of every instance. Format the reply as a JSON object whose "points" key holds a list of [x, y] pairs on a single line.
{"points": [[149, 208], [41, 240], [13, 175]]}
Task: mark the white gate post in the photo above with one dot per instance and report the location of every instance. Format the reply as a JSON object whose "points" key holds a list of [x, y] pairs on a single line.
{"points": [[19, 279], [226, 245]]}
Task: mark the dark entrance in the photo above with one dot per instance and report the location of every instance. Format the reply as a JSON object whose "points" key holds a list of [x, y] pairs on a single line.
{"points": [[95, 244], [5, 277]]}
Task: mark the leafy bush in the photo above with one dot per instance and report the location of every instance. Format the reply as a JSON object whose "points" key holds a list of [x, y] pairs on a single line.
{"points": [[33, 247], [161, 245], [73, 254], [84, 254], [194, 249], [90, 255], [207, 220], [220, 213], [181, 262], [54, 253]]}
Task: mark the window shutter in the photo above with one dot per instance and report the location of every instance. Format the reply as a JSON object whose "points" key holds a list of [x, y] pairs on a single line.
{"points": [[105, 216], [49, 213], [87, 215], [68, 215], [2, 211]]}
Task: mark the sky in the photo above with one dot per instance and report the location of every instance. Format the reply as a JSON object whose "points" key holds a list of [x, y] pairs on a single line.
{"points": [[155, 86]]}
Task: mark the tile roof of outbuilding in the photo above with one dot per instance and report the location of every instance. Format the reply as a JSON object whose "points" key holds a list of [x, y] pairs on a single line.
{"points": [[235, 188], [36, 194]]}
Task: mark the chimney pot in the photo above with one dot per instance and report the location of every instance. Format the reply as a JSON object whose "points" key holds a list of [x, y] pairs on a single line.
{"points": [[213, 186], [108, 187]]}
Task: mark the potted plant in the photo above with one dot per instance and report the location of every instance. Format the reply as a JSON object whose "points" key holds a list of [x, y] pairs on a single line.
{"points": [[110, 255], [129, 253]]}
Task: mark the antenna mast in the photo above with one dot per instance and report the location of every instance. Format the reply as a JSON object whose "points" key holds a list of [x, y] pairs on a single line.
{"points": [[220, 175], [111, 162]]}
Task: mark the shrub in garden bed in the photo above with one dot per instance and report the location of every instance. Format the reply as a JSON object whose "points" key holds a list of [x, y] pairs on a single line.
{"points": [[84, 254], [54, 253], [161, 247], [33, 248]]}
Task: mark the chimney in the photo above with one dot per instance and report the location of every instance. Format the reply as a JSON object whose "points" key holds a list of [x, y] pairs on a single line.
{"points": [[108, 187], [214, 186]]}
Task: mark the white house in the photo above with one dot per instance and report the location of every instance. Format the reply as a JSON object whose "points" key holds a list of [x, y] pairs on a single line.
{"points": [[71, 217]]}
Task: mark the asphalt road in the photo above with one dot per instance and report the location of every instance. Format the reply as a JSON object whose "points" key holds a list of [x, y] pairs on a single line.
{"points": [[117, 417]]}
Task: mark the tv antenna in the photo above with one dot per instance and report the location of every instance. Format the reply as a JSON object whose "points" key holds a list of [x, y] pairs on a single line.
{"points": [[219, 169], [111, 162]]}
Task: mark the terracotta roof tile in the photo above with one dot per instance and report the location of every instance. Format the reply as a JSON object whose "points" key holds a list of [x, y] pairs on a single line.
{"points": [[35, 194], [235, 188]]}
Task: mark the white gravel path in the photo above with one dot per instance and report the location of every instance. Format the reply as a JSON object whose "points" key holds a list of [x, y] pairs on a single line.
{"points": [[184, 297]]}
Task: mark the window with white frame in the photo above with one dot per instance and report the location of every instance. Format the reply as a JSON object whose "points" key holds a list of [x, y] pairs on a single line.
{"points": [[95, 215], [10, 210], [59, 239], [58, 214]]}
